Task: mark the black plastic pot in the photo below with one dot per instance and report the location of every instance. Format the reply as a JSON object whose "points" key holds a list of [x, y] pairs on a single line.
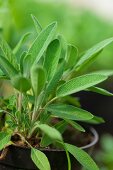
{"points": [[18, 158]]}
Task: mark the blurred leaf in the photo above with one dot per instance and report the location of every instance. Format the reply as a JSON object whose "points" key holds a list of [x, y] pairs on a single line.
{"points": [[72, 56], [96, 120], [4, 139], [53, 83], [20, 43], [51, 132], [38, 79], [27, 62], [60, 126], [100, 91], [20, 83], [41, 42], [79, 83], [95, 49], [40, 159], [7, 67], [69, 112], [52, 58], [37, 24], [85, 160], [7, 50], [76, 125]]}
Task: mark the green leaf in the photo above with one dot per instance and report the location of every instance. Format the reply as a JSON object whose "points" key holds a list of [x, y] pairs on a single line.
{"points": [[82, 157], [71, 56], [96, 120], [38, 79], [79, 83], [27, 62], [20, 83], [41, 42], [63, 42], [95, 49], [52, 58], [100, 91], [60, 126], [69, 112], [4, 139], [22, 56], [6, 50], [51, 132], [76, 125], [20, 43], [54, 81], [40, 159], [7, 67], [104, 72], [37, 24], [88, 62]]}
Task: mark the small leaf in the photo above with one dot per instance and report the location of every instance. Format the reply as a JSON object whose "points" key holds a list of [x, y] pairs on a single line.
{"points": [[71, 56], [79, 83], [76, 125], [100, 91], [37, 24], [82, 157], [7, 67], [22, 40], [20, 83], [40, 159], [38, 79], [50, 131], [52, 58], [93, 50], [69, 112], [41, 42], [4, 139]]}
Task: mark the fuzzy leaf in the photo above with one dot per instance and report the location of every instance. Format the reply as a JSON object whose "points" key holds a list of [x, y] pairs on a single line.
{"points": [[4, 139], [95, 49], [79, 83], [37, 24], [82, 157], [6, 50], [27, 62], [41, 42], [7, 67], [96, 120], [100, 91], [38, 79], [76, 125], [71, 56], [20, 43], [40, 159], [52, 58], [69, 112], [60, 126], [53, 83], [20, 83], [51, 132]]}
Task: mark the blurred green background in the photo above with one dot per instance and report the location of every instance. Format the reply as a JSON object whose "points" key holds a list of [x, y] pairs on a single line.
{"points": [[79, 27]]}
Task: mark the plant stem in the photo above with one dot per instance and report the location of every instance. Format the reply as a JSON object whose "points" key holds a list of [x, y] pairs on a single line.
{"points": [[20, 101]]}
